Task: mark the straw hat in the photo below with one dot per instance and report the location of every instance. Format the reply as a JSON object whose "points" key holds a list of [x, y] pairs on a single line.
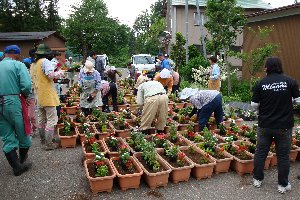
{"points": [[88, 67]]}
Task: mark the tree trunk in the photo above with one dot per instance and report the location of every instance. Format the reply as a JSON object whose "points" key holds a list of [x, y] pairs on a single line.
{"points": [[228, 73]]}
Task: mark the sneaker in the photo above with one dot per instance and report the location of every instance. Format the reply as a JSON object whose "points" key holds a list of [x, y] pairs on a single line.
{"points": [[256, 183], [283, 190]]}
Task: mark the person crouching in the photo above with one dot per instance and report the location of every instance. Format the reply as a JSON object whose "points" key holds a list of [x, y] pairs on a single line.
{"points": [[152, 96]]}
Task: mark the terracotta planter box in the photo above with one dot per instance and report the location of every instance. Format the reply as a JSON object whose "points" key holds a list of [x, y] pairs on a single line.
{"points": [[70, 110], [273, 161], [58, 126], [128, 181], [99, 134], [227, 124], [196, 127], [180, 105], [158, 179], [170, 106], [188, 104], [67, 141], [179, 174], [294, 153], [182, 127], [133, 107], [204, 170], [223, 165], [112, 154], [82, 136], [268, 161], [243, 166], [100, 184], [121, 133], [213, 127], [239, 122], [190, 142], [92, 155], [168, 128], [122, 107]]}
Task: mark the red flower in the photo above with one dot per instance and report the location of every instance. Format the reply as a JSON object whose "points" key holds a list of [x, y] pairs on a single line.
{"points": [[99, 163], [160, 136], [92, 140]]}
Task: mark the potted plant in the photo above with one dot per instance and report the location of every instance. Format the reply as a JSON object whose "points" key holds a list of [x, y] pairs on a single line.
{"points": [[175, 138], [83, 129], [191, 136], [92, 147], [133, 104], [70, 107], [170, 123], [121, 127], [156, 171], [128, 171], [67, 135], [184, 122], [62, 119], [203, 162], [100, 174], [120, 101], [242, 160], [136, 141], [180, 165], [114, 145]]}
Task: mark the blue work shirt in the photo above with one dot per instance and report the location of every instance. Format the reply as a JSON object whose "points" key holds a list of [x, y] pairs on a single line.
{"points": [[165, 64], [215, 74]]}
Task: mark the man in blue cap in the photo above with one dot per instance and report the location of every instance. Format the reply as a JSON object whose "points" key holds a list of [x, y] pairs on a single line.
{"points": [[164, 62], [14, 81]]}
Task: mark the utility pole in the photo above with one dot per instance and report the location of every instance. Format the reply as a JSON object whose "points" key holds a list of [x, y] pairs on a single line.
{"points": [[201, 29], [187, 31], [168, 24]]}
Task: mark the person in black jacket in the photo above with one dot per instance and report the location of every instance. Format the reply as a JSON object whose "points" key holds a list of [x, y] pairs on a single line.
{"points": [[99, 64], [273, 97]]}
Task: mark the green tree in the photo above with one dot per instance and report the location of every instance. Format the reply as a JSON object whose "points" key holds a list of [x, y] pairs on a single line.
{"points": [[53, 19], [90, 28], [224, 24], [178, 51], [256, 57], [193, 51]]}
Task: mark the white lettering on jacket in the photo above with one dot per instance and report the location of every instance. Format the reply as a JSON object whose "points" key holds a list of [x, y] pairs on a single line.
{"points": [[275, 86]]}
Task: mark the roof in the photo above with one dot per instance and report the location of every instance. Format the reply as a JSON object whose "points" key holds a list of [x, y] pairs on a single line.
{"points": [[247, 4], [22, 36], [277, 10]]}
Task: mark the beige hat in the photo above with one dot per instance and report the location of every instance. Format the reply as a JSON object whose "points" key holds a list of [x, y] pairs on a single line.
{"points": [[141, 79], [88, 67]]}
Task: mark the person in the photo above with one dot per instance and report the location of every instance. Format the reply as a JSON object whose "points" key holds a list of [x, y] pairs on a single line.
{"points": [[99, 64], [112, 73], [42, 73], [214, 82], [152, 96], [171, 62], [31, 102], [71, 72], [164, 63], [1, 55], [176, 81], [14, 81], [131, 71], [32, 55], [273, 98], [205, 103], [109, 89], [90, 82], [166, 79]]}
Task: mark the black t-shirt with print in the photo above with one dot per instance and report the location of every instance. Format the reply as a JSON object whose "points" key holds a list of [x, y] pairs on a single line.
{"points": [[275, 94]]}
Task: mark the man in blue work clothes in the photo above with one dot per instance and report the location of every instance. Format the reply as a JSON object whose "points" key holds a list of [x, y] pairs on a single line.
{"points": [[14, 81], [164, 63]]}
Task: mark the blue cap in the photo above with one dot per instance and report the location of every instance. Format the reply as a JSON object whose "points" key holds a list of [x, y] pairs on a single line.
{"points": [[12, 49], [28, 60], [160, 54], [1, 54]]}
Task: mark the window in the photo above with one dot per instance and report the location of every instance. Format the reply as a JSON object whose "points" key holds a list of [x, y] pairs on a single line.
{"points": [[197, 21]]}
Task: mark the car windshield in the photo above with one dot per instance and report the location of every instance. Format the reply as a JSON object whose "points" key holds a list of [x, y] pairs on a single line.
{"points": [[143, 60]]}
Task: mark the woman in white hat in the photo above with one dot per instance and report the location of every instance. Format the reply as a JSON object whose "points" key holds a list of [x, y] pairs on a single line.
{"points": [[90, 82]]}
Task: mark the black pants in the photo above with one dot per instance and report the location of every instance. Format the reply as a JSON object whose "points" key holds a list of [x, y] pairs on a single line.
{"points": [[114, 93], [282, 139], [175, 88]]}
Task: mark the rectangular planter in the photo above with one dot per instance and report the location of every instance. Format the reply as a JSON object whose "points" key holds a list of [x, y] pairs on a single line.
{"points": [[243, 166], [202, 171], [112, 154], [181, 173], [70, 110], [92, 155], [158, 179], [100, 184], [223, 165], [67, 141], [128, 181]]}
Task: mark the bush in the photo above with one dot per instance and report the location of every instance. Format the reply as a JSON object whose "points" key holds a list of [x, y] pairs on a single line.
{"points": [[186, 72]]}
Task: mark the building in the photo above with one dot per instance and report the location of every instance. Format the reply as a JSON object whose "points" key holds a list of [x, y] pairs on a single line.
{"points": [[178, 20], [286, 32], [28, 40]]}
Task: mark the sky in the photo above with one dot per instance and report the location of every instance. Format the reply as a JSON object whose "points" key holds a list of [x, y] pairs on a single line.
{"points": [[127, 10]]}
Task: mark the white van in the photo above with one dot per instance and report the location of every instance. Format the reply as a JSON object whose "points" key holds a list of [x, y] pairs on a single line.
{"points": [[143, 62]]}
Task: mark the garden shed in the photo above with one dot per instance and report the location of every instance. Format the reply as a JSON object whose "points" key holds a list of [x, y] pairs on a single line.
{"points": [[286, 29]]}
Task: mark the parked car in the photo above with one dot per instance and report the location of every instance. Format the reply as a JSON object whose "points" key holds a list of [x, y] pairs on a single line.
{"points": [[143, 63]]}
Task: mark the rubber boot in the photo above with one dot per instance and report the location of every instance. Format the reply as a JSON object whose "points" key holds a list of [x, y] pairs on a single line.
{"points": [[14, 162], [49, 144], [42, 135], [23, 154]]}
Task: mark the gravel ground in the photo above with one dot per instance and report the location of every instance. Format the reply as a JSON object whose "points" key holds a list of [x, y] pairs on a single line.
{"points": [[60, 174]]}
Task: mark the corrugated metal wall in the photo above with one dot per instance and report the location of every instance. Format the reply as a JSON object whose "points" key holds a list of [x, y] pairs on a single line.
{"points": [[286, 33]]}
